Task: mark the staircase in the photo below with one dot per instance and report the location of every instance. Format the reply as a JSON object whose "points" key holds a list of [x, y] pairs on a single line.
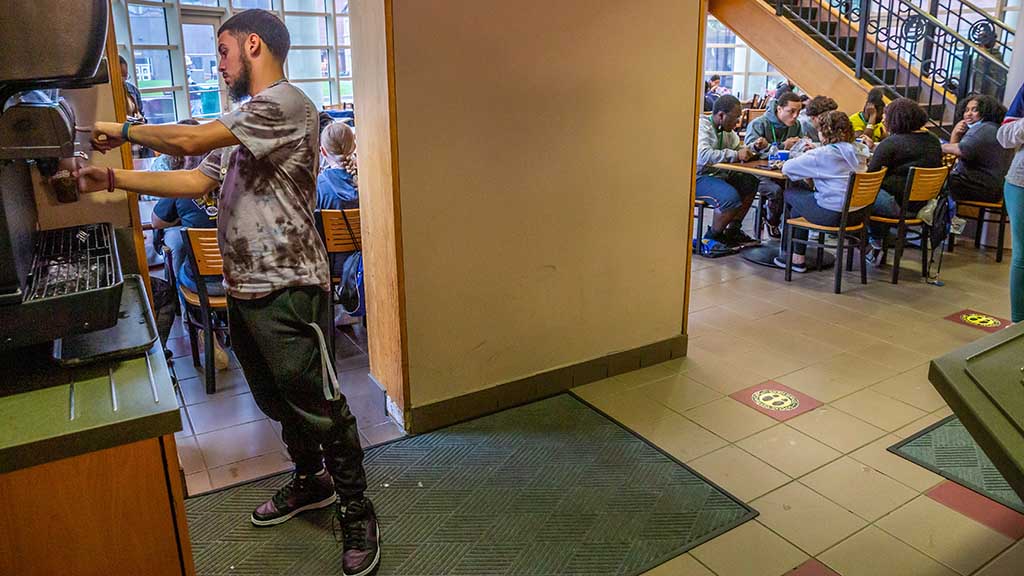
{"points": [[926, 50]]}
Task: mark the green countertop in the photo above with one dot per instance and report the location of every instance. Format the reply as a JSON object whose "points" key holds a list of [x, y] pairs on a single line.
{"points": [[48, 412], [983, 383]]}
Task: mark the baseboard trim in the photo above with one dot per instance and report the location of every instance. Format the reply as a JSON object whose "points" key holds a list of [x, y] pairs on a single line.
{"points": [[525, 390]]}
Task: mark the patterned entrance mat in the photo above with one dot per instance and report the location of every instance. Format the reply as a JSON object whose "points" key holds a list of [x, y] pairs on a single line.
{"points": [[552, 487], [947, 449]]}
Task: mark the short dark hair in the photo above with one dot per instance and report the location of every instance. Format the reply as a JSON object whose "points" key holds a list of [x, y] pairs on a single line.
{"points": [[821, 104], [715, 77], [725, 103], [264, 24], [903, 116], [989, 108], [876, 98], [122, 60], [783, 99]]}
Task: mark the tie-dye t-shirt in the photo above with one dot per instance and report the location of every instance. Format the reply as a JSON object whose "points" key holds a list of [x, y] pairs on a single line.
{"points": [[265, 228]]}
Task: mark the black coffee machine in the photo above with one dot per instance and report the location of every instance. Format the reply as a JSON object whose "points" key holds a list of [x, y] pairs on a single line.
{"points": [[61, 282]]}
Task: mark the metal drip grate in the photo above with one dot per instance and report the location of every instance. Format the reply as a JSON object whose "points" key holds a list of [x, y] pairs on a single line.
{"points": [[71, 260]]}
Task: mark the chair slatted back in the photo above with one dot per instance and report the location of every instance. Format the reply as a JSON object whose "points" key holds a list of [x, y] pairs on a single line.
{"points": [[755, 113], [864, 187], [926, 183], [202, 243], [341, 230]]}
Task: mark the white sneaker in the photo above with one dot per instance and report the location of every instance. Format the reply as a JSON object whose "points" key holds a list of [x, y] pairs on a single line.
{"points": [[220, 356], [341, 318]]}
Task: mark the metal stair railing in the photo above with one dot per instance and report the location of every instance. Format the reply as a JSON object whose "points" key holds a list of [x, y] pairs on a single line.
{"points": [[908, 51]]}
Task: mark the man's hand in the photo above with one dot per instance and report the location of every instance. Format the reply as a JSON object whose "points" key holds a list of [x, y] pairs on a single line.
{"points": [[91, 179], [106, 136], [744, 154], [789, 142], [760, 144]]}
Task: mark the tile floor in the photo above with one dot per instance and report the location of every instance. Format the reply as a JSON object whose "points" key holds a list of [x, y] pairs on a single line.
{"points": [[831, 499], [226, 440]]}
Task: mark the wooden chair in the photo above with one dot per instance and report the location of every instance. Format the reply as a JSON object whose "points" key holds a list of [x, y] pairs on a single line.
{"points": [[204, 256], [983, 207], [699, 206], [862, 190], [341, 233], [923, 184]]}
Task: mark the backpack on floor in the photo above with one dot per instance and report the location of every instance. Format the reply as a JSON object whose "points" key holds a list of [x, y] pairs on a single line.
{"points": [[351, 292]]}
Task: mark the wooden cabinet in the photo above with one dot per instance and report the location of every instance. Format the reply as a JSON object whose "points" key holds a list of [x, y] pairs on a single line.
{"points": [[110, 512]]}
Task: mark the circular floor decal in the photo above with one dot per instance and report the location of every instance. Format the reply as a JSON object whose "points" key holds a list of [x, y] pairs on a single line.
{"points": [[778, 400], [981, 320]]}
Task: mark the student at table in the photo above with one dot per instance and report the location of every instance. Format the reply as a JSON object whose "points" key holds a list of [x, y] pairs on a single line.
{"points": [[808, 118], [729, 193], [829, 166], [908, 145], [777, 126], [982, 162], [867, 123]]}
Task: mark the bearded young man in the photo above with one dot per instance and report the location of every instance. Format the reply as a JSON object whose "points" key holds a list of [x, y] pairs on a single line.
{"points": [[275, 268]]}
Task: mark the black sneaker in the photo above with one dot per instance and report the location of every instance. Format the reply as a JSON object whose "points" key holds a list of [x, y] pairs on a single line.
{"points": [[781, 263], [360, 537], [774, 231], [301, 494], [737, 238]]}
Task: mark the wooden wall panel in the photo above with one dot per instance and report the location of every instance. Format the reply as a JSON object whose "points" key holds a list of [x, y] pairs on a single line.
{"points": [[372, 49]]}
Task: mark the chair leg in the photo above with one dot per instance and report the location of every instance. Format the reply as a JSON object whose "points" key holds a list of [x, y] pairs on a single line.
{"points": [[901, 240], [209, 369], [849, 256], [193, 339], [925, 240], [1002, 233], [821, 251], [977, 229], [700, 229], [758, 218], [789, 252], [884, 255], [863, 255], [839, 262]]}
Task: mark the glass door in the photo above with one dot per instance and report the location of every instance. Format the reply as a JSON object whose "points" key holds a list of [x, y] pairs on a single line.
{"points": [[205, 96]]}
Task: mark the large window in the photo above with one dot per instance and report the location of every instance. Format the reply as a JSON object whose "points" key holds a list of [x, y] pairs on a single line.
{"points": [[170, 47], [743, 71]]}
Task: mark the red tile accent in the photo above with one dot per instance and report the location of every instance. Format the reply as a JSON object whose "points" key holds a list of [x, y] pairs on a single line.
{"points": [[805, 402], [812, 568], [958, 317], [977, 507]]}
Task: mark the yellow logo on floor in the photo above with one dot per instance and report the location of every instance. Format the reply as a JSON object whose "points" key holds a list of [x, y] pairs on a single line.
{"points": [[777, 400], [981, 320]]}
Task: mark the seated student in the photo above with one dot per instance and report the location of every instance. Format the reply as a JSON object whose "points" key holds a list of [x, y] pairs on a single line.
{"points": [[867, 124], [777, 126], [908, 145], [814, 108], [982, 162], [173, 214], [829, 166], [337, 188], [729, 193]]}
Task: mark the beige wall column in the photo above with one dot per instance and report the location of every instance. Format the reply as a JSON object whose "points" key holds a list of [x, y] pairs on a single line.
{"points": [[526, 169]]}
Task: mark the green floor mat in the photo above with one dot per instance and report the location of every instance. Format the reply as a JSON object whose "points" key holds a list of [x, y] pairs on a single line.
{"points": [[551, 487], [947, 449]]}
